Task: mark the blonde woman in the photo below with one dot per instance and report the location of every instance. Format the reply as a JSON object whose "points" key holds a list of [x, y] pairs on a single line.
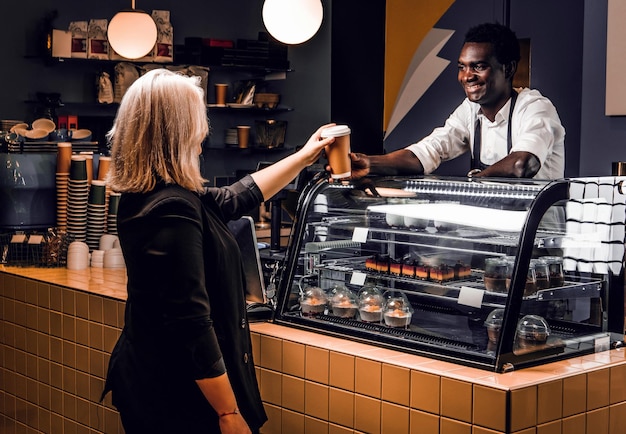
{"points": [[183, 363]]}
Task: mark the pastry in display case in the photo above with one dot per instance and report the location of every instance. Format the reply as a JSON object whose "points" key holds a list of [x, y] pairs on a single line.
{"points": [[498, 274]]}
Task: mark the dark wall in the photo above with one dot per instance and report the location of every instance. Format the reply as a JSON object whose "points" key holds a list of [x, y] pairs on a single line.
{"points": [[603, 138]]}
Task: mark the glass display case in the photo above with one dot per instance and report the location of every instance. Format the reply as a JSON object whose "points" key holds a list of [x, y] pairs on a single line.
{"points": [[490, 273]]}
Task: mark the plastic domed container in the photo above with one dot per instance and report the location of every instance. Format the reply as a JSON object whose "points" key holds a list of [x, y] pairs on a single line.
{"points": [[532, 330], [371, 304], [493, 323], [343, 302], [313, 301], [398, 311]]}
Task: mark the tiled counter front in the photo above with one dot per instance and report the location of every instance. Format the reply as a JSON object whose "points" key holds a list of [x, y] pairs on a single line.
{"points": [[55, 348], [58, 327]]}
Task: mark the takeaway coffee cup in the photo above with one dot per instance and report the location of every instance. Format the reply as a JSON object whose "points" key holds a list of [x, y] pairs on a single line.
{"points": [[338, 151], [220, 93]]}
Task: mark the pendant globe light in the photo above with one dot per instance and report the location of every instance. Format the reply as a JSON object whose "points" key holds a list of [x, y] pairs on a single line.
{"points": [[132, 33], [292, 21]]}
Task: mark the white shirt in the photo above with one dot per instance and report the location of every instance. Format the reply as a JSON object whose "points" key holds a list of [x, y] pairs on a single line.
{"points": [[535, 128]]}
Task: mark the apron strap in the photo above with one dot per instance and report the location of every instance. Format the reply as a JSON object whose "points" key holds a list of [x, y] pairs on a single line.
{"points": [[476, 163]]}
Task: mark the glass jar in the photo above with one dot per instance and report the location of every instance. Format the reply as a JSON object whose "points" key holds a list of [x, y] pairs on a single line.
{"points": [[555, 270], [496, 274], [542, 273]]}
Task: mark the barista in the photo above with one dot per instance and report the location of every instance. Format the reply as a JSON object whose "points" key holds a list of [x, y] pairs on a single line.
{"points": [[510, 132]]}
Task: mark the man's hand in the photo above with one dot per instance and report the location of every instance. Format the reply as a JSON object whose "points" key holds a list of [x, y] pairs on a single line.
{"points": [[517, 164]]}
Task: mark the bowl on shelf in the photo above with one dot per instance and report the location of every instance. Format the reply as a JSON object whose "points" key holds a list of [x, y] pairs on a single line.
{"points": [[82, 135], [266, 100]]}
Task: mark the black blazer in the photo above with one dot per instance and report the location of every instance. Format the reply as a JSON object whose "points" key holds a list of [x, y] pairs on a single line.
{"points": [[185, 316]]}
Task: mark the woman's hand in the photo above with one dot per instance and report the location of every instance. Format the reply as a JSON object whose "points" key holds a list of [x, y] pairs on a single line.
{"points": [[273, 178], [312, 149]]}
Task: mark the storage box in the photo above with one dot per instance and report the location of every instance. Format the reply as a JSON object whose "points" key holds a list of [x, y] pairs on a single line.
{"points": [[61, 43]]}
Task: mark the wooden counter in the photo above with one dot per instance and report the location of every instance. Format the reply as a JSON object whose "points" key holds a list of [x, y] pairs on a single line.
{"points": [[59, 326]]}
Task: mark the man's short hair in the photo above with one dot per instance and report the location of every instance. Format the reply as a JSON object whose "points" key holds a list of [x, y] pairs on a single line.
{"points": [[505, 43]]}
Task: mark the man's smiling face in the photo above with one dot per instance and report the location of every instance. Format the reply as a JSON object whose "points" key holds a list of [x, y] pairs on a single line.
{"points": [[482, 77]]}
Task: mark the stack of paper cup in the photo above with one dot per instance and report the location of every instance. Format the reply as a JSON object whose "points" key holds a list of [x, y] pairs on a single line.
{"points": [[64, 157], [78, 192], [97, 259], [113, 258], [77, 256], [114, 200], [96, 213]]}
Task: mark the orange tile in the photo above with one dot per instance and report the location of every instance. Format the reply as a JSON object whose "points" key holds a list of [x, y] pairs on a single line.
{"points": [[451, 426], [293, 358], [574, 395], [425, 391], [367, 414], [456, 399], [341, 371], [396, 384], [617, 418], [574, 424], [271, 353], [490, 408], [255, 338], [617, 391], [293, 393], [292, 422], [315, 426], [316, 364], [271, 386], [523, 408], [338, 429], [598, 388], [423, 423], [316, 400], [274, 420], [368, 375], [550, 428], [341, 407], [598, 421], [481, 430], [394, 418], [549, 401]]}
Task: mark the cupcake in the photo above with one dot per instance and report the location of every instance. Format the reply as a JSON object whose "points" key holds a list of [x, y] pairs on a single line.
{"points": [[313, 301], [371, 304]]}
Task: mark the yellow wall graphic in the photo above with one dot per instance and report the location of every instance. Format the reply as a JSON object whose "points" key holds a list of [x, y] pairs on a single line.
{"points": [[411, 62]]}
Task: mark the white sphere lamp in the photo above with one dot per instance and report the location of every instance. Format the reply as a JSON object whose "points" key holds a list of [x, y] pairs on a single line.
{"points": [[132, 33], [292, 21]]}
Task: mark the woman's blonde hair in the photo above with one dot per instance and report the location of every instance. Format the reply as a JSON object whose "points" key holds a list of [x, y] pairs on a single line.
{"points": [[158, 132]]}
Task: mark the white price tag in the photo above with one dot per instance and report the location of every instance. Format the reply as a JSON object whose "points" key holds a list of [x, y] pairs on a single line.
{"points": [[360, 235], [471, 296], [358, 278]]}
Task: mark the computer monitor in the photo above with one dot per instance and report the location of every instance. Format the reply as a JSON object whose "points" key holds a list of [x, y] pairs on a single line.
{"points": [[244, 232]]}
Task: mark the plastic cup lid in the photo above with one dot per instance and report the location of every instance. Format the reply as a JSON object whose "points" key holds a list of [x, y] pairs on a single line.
{"points": [[336, 131]]}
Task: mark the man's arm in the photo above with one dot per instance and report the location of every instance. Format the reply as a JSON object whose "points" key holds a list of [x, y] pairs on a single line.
{"points": [[400, 162], [517, 164]]}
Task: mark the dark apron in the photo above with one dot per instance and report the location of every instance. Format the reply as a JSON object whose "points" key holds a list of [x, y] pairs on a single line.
{"points": [[476, 163]]}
